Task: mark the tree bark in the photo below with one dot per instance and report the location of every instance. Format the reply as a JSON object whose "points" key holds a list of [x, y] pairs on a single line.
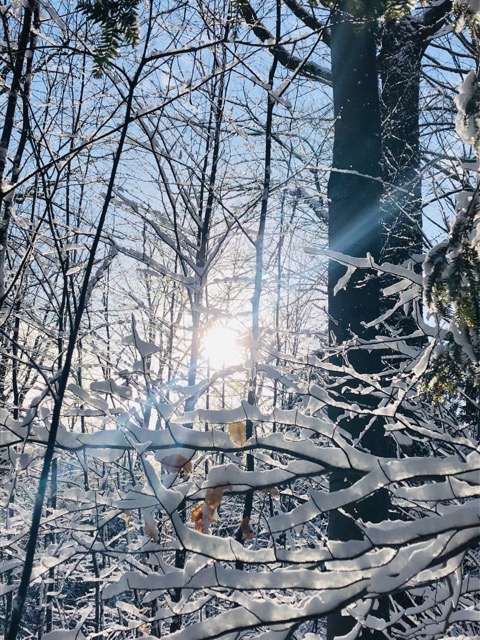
{"points": [[355, 185], [355, 189], [403, 44]]}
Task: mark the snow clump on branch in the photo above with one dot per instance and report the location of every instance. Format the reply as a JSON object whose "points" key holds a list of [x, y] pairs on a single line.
{"points": [[467, 14], [468, 104]]}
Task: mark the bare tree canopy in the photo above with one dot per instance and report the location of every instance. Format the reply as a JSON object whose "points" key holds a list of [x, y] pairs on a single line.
{"points": [[239, 320]]}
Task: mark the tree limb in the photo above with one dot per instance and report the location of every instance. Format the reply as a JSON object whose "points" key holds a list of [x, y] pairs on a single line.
{"points": [[309, 20], [308, 69]]}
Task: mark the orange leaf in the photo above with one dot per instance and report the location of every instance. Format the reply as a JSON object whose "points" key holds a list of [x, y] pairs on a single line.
{"points": [[202, 516], [238, 433], [197, 517]]}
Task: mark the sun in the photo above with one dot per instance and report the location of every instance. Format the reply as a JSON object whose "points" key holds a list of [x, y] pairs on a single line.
{"points": [[221, 347]]}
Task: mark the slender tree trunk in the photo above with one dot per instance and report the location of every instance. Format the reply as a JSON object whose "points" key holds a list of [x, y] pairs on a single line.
{"points": [[403, 45], [31, 544], [402, 233], [400, 64], [209, 181], [20, 85]]}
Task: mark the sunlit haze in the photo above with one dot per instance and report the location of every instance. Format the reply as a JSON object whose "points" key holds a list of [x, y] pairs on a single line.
{"points": [[221, 347]]}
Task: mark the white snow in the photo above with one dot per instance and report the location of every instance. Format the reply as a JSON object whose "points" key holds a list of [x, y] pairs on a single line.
{"points": [[467, 125], [469, 11]]}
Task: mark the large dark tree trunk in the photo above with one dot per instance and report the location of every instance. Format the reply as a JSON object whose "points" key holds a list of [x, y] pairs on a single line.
{"points": [[368, 134], [355, 189], [355, 185], [365, 156]]}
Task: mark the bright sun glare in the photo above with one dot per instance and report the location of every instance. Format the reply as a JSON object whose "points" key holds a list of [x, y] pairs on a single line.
{"points": [[220, 346]]}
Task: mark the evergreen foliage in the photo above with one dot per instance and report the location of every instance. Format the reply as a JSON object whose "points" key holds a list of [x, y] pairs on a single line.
{"points": [[451, 288], [467, 14], [118, 22]]}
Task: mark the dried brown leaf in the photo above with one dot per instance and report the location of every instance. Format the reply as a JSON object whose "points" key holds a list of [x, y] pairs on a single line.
{"points": [[238, 433], [202, 516], [245, 528], [187, 468], [273, 491], [175, 463], [197, 517], [213, 497]]}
